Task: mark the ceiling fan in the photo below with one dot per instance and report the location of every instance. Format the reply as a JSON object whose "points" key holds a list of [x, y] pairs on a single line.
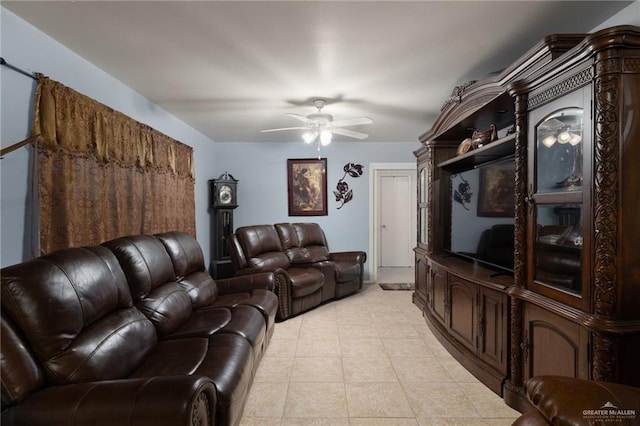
{"points": [[321, 125]]}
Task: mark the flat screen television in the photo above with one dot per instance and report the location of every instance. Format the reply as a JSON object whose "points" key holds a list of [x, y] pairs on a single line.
{"points": [[481, 223]]}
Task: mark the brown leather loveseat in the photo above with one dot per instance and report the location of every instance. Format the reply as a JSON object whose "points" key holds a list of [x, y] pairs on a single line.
{"points": [[307, 273], [133, 331]]}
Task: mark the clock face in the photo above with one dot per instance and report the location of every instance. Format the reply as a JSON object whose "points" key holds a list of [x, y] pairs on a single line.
{"points": [[225, 194]]}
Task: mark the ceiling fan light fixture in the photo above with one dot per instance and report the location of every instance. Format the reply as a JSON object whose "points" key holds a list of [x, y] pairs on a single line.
{"points": [[309, 136], [325, 137], [321, 126]]}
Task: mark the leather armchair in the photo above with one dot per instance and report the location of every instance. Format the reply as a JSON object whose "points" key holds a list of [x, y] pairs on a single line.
{"points": [[560, 400]]}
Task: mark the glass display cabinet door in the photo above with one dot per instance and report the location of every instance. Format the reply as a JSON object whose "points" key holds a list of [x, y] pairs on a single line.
{"points": [[422, 206], [558, 249], [557, 196], [559, 151]]}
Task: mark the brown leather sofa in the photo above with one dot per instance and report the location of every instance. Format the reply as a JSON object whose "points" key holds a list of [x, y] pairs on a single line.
{"points": [[560, 400], [307, 273], [130, 332]]}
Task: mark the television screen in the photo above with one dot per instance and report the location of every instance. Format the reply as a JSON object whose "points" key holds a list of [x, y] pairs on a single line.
{"points": [[482, 213]]}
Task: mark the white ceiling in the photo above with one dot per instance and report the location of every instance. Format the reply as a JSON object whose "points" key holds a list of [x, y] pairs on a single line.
{"points": [[232, 68]]}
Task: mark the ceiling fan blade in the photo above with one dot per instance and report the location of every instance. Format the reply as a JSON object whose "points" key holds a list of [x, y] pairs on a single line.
{"points": [[352, 121], [349, 133], [300, 117], [284, 128]]}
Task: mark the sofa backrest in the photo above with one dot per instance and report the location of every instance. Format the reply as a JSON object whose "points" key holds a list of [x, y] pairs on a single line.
{"points": [[184, 251], [238, 259], [67, 305], [152, 280], [312, 240], [188, 265], [262, 247], [290, 244], [21, 372]]}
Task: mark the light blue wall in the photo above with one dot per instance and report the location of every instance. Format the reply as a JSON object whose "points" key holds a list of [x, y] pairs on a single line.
{"points": [[261, 169], [630, 15], [26, 47]]}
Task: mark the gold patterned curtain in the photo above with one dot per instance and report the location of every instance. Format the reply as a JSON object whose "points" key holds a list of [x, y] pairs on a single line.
{"points": [[103, 175]]}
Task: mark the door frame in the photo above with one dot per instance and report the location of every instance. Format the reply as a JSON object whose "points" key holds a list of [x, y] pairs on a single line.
{"points": [[374, 207]]}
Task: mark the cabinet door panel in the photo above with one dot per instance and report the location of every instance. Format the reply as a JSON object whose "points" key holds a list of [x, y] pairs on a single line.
{"points": [[439, 301], [543, 331], [421, 271], [463, 323], [492, 329]]}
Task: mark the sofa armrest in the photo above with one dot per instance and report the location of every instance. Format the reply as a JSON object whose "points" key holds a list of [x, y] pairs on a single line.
{"points": [[531, 418], [161, 400], [570, 401], [344, 256], [281, 288], [246, 282]]}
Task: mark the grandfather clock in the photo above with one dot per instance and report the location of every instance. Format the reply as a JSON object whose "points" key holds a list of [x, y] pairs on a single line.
{"points": [[223, 201]]}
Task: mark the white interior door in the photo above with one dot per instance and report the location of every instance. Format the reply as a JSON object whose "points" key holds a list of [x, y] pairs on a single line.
{"points": [[395, 219]]}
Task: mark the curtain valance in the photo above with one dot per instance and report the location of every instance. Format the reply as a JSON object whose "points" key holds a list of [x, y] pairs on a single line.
{"points": [[76, 124]]}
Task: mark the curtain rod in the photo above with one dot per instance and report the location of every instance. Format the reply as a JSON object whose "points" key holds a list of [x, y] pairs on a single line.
{"points": [[5, 151], [13, 67]]}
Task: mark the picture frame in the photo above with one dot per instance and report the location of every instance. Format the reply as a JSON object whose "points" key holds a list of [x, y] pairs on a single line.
{"points": [[496, 197], [307, 186]]}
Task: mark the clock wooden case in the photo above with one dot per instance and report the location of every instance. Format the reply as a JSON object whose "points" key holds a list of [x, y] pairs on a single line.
{"points": [[223, 192], [224, 199]]}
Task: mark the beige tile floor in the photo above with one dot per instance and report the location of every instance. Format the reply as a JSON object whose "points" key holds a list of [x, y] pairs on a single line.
{"points": [[368, 359]]}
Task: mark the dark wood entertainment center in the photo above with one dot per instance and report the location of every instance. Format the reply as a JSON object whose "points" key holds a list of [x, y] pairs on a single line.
{"points": [[567, 114]]}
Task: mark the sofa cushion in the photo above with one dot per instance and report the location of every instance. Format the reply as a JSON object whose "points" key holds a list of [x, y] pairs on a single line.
{"points": [[262, 300], [202, 323], [269, 261], [312, 241], [75, 309], [174, 357], [305, 281], [188, 264], [152, 280], [262, 247]]}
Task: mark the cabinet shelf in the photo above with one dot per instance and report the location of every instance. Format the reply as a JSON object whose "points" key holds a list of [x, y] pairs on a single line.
{"points": [[490, 152]]}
